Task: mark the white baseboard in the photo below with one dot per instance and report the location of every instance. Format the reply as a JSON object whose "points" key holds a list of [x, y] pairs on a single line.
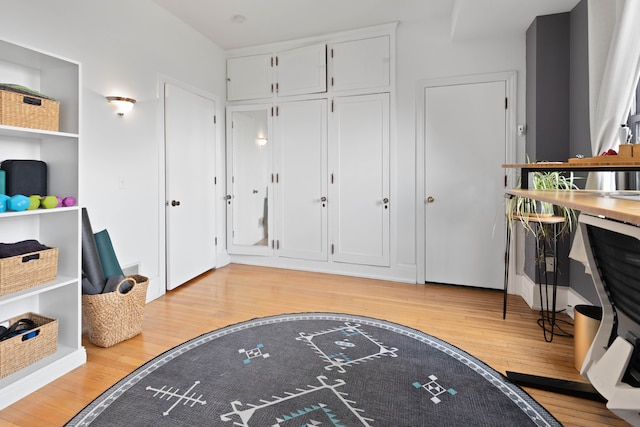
{"points": [[405, 273], [566, 298]]}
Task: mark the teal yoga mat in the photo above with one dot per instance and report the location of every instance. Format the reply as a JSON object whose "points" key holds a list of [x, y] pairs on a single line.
{"points": [[110, 265], [91, 266]]}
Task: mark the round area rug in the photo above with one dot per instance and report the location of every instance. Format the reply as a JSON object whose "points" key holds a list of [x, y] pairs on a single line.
{"points": [[314, 369]]}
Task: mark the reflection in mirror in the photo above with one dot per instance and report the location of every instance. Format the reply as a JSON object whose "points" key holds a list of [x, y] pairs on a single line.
{"points": [[250, 178]]}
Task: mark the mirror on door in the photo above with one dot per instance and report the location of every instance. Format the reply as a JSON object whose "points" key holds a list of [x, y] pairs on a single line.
{"points": [[250, 178]]}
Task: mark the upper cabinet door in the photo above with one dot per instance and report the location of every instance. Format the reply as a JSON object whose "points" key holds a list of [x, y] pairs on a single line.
{"points": [[249, 77], [361, 64], [302, 70]]}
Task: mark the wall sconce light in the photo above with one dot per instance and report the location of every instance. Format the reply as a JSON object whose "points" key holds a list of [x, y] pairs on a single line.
{"points": [[121, 104], [262, 141]]}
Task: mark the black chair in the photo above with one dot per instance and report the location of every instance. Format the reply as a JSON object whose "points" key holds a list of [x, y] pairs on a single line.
{"points": [[612, 364]]}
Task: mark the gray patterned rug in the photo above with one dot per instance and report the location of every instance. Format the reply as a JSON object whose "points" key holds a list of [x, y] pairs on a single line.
{"points": [[314, 369]]}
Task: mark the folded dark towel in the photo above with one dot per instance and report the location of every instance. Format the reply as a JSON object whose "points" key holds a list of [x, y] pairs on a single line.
{"points": [[8, 250]]}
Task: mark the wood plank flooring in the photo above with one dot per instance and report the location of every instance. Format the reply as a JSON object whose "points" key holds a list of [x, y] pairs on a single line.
{"points": [[470, 319]]}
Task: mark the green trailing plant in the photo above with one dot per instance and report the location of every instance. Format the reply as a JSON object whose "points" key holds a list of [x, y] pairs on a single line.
{"points": [[529, 212]]}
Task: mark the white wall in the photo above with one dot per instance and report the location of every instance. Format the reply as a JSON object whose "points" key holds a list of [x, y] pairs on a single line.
{"points": [[125, 48], [425, 51], [124, 45]]}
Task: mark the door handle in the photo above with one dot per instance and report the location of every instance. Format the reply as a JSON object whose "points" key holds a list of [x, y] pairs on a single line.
{"points": [[430, 199], [385, 200], [323, 199], [227, 197], [175, 203]]}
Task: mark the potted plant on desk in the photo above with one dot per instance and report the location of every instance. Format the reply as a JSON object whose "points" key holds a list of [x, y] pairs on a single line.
{"points": [[529, 211]]}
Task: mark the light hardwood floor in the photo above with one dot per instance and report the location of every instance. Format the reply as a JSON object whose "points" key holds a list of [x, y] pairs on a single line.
{"points": [[470, 319]]}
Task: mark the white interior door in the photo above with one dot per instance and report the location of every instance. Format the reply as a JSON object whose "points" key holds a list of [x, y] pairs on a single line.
{"points": [[190, 180], [464, 184]]}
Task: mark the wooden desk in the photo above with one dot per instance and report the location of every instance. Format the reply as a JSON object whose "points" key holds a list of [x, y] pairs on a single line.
{"points": [[593, 202], [605, 165]]}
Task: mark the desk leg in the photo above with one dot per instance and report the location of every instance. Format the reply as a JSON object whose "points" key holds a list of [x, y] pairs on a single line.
{"points": [[507, 250], [570, 388], [547, 314]]}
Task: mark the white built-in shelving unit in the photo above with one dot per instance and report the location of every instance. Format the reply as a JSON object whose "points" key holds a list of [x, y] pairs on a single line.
{"points": [[60, 227]]}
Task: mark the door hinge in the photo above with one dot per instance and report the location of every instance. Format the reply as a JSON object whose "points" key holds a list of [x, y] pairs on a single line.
{"points": [[277, 87], [271, 87], [505, 180], [273, 245], [272, 61], [277, 111], [215, 120], [272, 111], [215, 240], [332, 82], [332, 105], [332, 178], [332, 53], [277, 244], [276, 61], [506, 103], [215, 180], [272, 181], [332, 249]]}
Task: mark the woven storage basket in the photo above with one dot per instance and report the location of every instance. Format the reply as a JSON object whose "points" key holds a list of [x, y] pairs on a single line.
{"points": [[28, 111], [28, 270], [19, 352], [114, 317]]}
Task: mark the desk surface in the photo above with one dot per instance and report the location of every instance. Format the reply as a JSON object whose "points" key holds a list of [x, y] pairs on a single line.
{"points": [[608, 204], [603, 164]]}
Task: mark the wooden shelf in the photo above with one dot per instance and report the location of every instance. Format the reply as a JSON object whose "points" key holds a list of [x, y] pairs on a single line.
{"points": [[618, 205]]}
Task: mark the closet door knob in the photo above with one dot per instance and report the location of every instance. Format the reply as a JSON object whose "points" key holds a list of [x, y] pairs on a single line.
{"points": [[175, 203], [430, 199]]}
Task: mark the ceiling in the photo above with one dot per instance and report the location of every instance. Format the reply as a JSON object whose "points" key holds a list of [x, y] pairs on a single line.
{"points": [[270, 21]]}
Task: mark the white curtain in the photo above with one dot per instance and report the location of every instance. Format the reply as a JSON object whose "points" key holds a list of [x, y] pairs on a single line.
{"points": [[614, 68]]}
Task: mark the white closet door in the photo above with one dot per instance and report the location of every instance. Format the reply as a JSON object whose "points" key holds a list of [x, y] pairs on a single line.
{"points": [[301, 165], [249, 77], [361, 64], [359, 202], [302, 70]]}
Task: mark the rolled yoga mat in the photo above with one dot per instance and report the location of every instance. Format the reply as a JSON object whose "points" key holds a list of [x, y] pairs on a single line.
{"points": [[91, 265], [110, 265]]}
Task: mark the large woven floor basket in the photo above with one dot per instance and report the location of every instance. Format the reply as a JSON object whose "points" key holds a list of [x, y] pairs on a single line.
{"points": [[114, 317]]}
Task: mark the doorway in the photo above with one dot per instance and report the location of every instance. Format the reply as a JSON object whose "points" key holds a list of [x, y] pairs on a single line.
{"points": [[466, 126]]}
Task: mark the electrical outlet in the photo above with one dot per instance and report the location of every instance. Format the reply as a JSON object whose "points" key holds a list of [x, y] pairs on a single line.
{"points": [[122, 182], [549, 263]]}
